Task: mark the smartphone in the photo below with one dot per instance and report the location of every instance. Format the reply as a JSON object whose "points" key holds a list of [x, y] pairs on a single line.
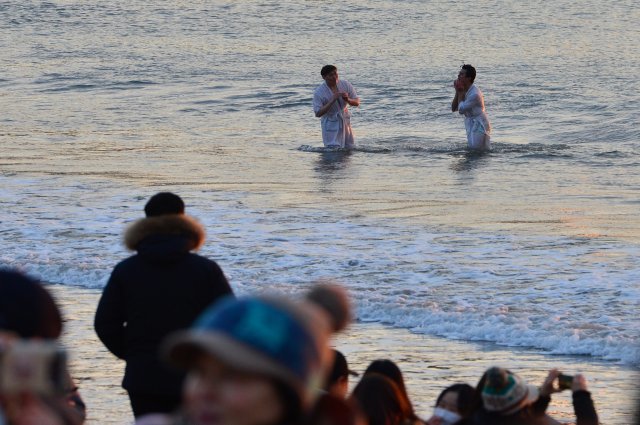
{"points": [[565, 381], [38, 367]]}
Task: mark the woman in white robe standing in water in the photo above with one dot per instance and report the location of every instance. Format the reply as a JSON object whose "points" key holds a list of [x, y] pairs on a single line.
{"points": [[470, 102], [330, 103]]}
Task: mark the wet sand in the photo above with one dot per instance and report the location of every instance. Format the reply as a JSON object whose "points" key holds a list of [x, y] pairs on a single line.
{"points": [[429, 364]]}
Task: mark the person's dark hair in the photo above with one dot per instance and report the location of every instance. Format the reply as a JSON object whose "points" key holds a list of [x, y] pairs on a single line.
{"points": [[470, 71], [27, 308], [468, 400], [327, 69], [164, 203], [340, 369], [389, 369], [381, 401]]}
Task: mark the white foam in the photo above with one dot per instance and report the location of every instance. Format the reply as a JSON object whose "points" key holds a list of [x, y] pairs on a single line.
{"points": [[561, 295]]}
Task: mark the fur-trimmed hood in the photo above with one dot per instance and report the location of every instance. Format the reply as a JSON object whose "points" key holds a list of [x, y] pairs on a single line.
{"points": [[169, 224]]}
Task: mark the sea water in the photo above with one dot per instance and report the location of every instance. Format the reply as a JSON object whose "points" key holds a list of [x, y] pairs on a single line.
{"points": [[534, 244]]}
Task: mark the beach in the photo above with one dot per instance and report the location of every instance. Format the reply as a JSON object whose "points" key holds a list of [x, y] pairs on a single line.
{"points": [[525, 256], [429, 365]]}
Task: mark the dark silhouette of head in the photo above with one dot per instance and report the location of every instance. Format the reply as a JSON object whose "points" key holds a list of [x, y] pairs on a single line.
{"points": [[26, 307], [164, 203], [327, 69], [470, 71]]}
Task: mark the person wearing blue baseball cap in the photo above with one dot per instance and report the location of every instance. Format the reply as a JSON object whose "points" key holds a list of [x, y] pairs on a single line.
{"points": [[256, 360]]}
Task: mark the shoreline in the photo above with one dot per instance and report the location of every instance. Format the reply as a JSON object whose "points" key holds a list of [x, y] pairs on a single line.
{"points": [[429, 364]]}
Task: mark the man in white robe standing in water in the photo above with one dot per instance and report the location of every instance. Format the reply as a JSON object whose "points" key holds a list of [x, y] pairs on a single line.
{"points": [[330, 103], [470, 102]]}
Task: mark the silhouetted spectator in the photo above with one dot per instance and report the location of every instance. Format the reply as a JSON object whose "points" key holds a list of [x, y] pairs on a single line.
{"points": [[160, 289]]}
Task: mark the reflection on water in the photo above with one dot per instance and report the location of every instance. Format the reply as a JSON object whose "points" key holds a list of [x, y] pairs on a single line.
{"points": [[470, 160], [333, 160], [331, 164]]}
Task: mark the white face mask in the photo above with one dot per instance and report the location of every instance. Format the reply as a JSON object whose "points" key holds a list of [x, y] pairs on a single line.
{"points": [[448, 417]]}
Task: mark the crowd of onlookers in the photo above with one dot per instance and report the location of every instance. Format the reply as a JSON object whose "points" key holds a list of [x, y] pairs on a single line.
{"points": [[196, 354]]}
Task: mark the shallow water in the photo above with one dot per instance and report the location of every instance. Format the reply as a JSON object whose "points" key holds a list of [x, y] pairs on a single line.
{"points": [[534, 244]]}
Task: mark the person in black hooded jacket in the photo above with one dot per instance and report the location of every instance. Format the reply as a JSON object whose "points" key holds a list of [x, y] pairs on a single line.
{"points": [[161, 289]]}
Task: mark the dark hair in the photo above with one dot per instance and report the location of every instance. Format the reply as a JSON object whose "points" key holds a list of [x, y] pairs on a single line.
{"points": [[381, 401], [389, 369], [327, 69], [470, 71], [27, 308], [339, 370], [164, 203], [468, 400]]}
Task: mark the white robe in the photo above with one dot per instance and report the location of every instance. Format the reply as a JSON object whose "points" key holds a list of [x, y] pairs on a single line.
{"points": [[336, 122], [476, 121]]}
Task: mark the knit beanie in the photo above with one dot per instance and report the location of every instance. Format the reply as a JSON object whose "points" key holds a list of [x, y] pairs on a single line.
{"points": [[164, 203], [505, 393], [282, 339]]}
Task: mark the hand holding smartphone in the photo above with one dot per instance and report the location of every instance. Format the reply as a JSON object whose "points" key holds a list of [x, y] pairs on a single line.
{"points": [[565, 382], [36, 367]]}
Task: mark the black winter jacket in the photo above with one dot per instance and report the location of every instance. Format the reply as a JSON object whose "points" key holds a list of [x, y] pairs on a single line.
{"points": [[161, 289]]}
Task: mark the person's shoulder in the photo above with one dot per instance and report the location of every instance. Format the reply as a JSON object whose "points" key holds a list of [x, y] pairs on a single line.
{"points": [[197, 258], [131, 261], [320, 88], [346, 82]]}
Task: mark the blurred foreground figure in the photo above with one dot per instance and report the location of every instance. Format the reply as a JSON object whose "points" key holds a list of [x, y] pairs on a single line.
{"points": [[35, 385], [258, 361], [159, 290]]}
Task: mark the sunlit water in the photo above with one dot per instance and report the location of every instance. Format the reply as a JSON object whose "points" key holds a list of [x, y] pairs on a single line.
{"points": [[533, 245]]}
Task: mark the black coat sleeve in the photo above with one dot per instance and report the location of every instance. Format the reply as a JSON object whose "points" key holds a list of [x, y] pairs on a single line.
{"points": [[220, 282], [584, 409], [110, 319], [539, 407]]}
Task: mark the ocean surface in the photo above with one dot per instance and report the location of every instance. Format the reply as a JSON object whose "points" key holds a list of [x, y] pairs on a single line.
{"points": [[532, 245]]}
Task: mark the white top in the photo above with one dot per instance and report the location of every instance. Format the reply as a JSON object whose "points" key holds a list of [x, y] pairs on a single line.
{"points": [[336, 122], [323, 95], [473, 108]]}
